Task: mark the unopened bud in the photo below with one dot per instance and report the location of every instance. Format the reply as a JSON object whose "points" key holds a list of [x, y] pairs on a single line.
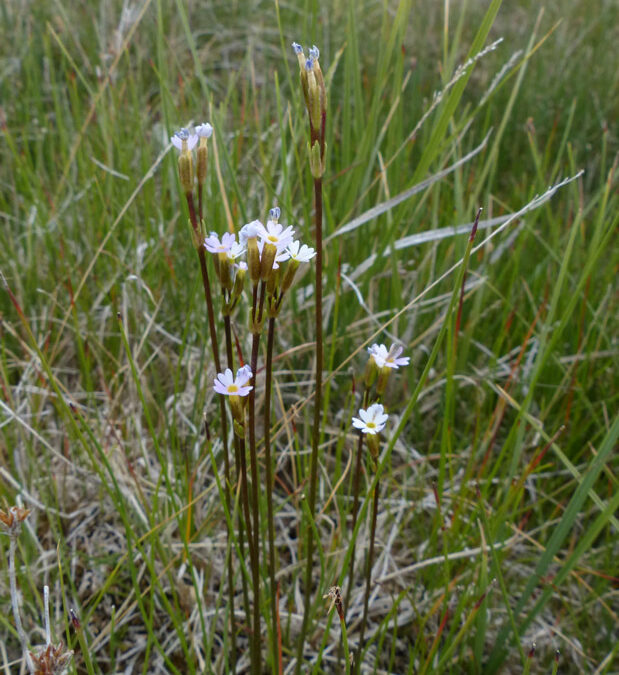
{"points": [[202, 154], [317, 165], [371, 371], [273, 281], [239, 282], [383, 377]]}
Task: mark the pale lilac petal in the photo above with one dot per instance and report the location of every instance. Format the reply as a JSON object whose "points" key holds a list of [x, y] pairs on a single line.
{"points": [[243, 375], [192, 141], [249, 231], [204, 130]]}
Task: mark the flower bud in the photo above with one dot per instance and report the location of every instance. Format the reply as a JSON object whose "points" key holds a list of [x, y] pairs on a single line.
{"points": [[239, 282], [383, 377], [317, 165], [371, 371], [204, 132]]}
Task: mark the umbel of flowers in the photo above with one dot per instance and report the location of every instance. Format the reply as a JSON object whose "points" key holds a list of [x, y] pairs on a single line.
{"points": [[371, 421], [270, 256]]}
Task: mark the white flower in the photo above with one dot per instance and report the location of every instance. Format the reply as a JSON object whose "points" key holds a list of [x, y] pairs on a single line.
{"points": [[388, 359], [204, 130], [303, 254], [241, 266], [249, 231], [214, 245], [184, 138], [227, 385], [275, 234], [372, 420], [244, 373], [235, 251]]}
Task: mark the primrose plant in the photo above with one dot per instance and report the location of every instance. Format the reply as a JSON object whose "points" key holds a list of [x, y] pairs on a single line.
{"points": [[255, 267]]}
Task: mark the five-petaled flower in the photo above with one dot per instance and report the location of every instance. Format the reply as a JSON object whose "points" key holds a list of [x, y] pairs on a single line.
{"points": [[214, 245], [300, 253], [275, 234], [372, 420], [184, 140], [228, 385], [388, 359]]}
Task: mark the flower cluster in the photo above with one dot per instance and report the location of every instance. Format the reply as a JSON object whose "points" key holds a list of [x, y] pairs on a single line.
{"points": [[315, 95], [11, 520], [266, 246], [372, 420], [185, 140]]}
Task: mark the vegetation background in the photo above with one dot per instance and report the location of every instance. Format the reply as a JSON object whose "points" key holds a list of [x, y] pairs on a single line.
{"points": [[515, 426]]}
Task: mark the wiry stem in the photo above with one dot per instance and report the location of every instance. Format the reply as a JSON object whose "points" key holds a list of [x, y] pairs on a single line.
{"points": [[15, 605], [222, 404], [252, 551], [253, 459], [368, 577], [317, 416], [237, 463], [269, 477], [355, 505]]}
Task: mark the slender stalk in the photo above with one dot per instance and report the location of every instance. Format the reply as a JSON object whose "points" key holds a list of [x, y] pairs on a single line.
{"points": [[317, 416], [368, 576], [237, 463], [255, 656], [253, 459], [269, 477], [345, 642], [355, 505], [15, 605], [222, 404]]}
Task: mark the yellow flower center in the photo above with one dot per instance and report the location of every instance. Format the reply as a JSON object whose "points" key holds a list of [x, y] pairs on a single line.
{"points": [[232, 389]]}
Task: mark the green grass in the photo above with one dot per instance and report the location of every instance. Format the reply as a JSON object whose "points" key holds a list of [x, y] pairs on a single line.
{"points": [[498, 514]]}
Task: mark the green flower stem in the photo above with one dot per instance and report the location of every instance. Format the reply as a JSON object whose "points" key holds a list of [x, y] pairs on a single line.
{"points": [[345, 642]]}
